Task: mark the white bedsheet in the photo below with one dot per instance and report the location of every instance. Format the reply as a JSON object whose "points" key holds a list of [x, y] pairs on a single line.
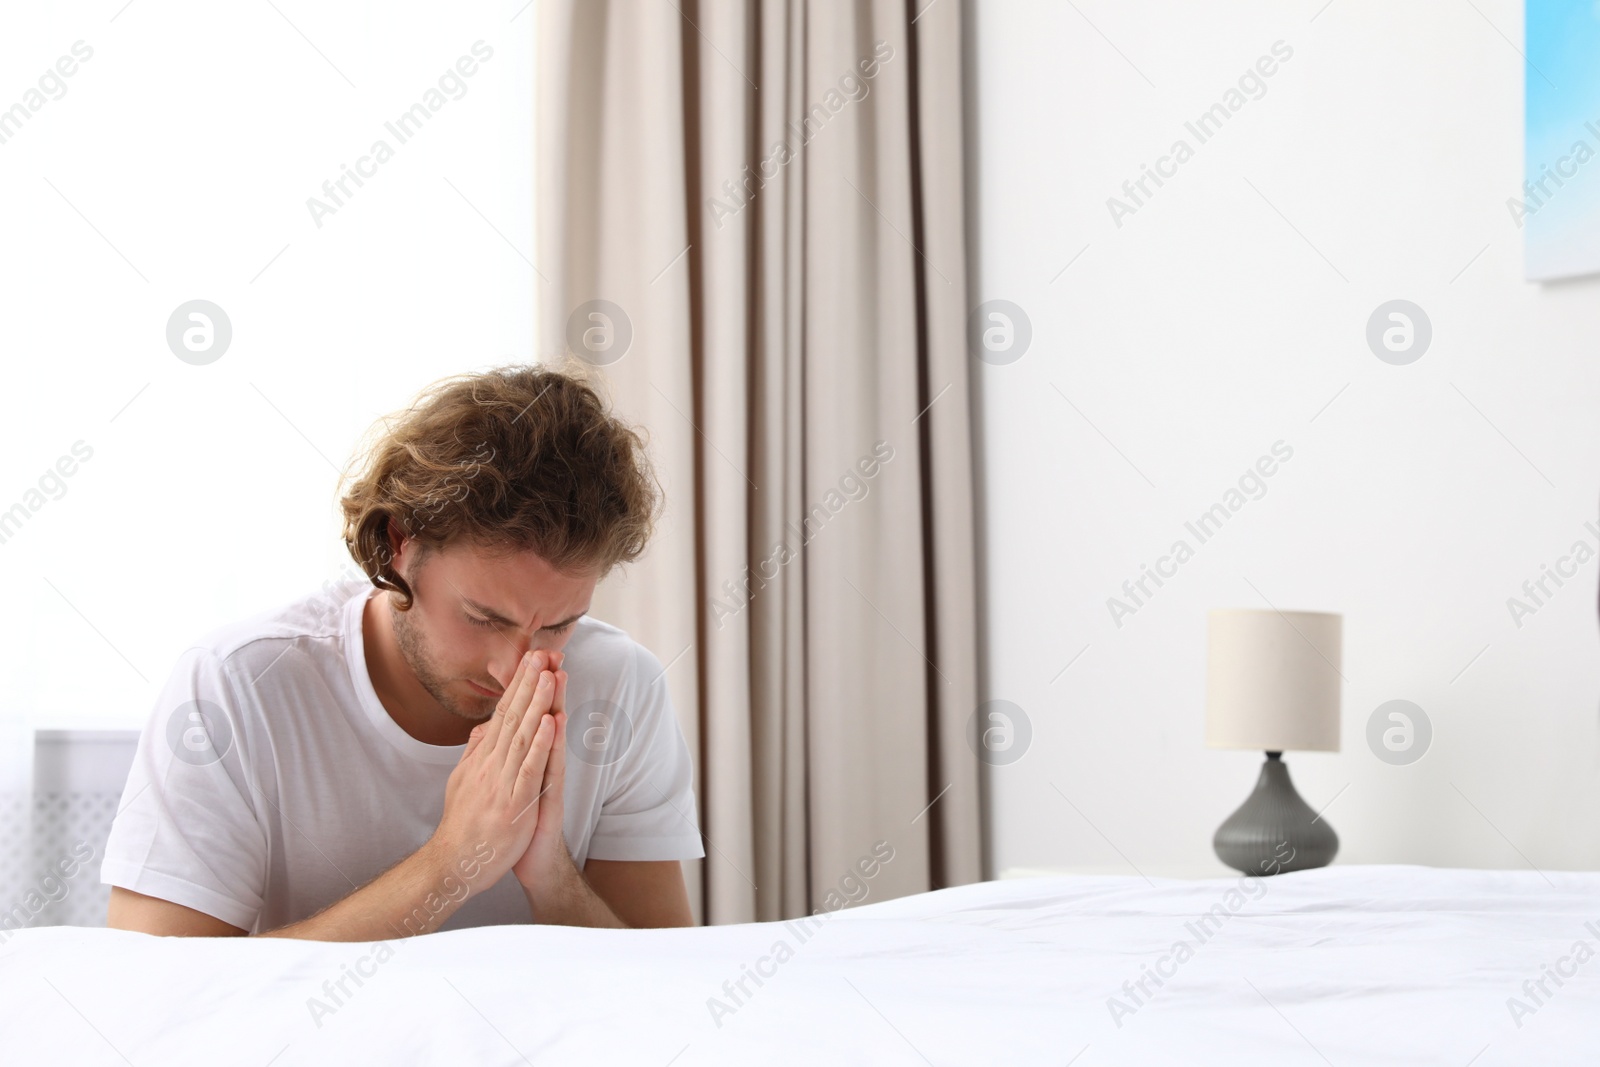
{"points": [[1345, 966]]}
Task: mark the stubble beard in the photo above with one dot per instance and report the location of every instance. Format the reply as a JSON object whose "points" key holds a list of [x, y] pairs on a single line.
{"points": [[413, 650]]}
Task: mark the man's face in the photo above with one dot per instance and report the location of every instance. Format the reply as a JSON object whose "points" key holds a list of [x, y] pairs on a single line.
{"points": [[475, 613]]}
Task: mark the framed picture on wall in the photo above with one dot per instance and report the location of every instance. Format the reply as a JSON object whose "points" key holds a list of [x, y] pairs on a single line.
{"points": [[1558, 209]]}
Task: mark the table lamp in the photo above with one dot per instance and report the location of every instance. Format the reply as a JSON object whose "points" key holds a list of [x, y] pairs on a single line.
{"points": [[1272, 684]]}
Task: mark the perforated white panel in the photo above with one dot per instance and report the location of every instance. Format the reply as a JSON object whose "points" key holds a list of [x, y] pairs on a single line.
{"points": [[69, 839], [54, 823], [16, 854]]}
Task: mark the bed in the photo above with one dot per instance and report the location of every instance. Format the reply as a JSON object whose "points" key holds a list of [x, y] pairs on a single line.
{"points": [[1344, 966]]}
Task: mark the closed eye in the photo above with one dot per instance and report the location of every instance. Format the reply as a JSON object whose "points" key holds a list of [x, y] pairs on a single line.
{"points": [[563, 628]]}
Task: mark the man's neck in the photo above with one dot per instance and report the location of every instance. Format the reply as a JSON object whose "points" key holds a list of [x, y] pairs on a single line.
{"points": [[404, 699]]}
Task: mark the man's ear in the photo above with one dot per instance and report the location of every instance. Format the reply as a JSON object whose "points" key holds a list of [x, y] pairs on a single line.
{"points": [[396, 540], [416, 553]]}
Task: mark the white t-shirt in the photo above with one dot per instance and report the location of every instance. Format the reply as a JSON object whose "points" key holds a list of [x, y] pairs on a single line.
{"points": [[269, 780]]}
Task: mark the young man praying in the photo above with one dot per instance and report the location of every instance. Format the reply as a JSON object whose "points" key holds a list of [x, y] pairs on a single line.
{"points": [[449, 741]]}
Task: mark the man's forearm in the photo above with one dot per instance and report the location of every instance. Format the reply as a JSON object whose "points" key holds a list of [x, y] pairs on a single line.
{"points": [[415, 896], [571, 902]]}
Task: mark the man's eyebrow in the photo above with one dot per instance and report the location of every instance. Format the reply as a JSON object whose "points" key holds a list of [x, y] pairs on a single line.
{"points": [[495, 616]]}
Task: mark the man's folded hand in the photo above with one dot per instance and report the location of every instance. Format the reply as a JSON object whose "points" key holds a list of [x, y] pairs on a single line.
{"points": [[494, 794]]}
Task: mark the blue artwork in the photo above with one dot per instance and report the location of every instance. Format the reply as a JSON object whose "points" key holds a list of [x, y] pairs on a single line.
{"points": [[1559, 209]]}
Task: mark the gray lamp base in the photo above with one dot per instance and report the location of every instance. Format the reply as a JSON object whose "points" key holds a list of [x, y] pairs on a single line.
{"points": [[1274, 830]]}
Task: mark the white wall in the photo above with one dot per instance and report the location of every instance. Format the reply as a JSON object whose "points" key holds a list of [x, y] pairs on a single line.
{"points": [[176, 163], [1223, 316]]}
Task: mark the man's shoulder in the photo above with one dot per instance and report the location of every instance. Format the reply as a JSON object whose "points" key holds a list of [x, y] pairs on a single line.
{"points": [[598, 646], [253, 642]]}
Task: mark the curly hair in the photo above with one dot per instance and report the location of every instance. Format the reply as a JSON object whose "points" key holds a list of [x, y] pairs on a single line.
{"points": [[519, 457]]}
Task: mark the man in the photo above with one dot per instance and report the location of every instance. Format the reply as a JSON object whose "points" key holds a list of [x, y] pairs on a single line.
{"points": [[392, 755]]}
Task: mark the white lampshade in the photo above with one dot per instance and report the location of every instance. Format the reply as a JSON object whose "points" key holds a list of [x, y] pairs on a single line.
{"points": [[1272, 680]]}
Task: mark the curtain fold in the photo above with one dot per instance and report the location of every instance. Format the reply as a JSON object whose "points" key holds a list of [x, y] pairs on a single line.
{"points": [[751, 224]]}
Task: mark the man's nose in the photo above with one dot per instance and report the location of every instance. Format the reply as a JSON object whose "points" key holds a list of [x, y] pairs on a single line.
{"points": [[504, 672]]}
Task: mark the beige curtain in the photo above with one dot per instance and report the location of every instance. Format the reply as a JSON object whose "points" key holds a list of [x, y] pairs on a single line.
{"points": [[751, 217]]}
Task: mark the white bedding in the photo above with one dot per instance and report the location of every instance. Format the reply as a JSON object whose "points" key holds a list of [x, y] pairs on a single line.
{"points": [[1346, 966]]}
